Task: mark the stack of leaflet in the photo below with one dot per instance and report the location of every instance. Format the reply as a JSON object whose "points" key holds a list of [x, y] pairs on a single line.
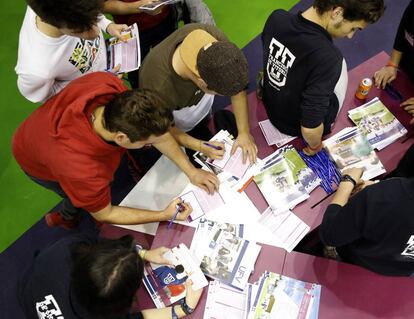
{"points": [[285, 180], [273, 136], [378, 123], [288, 228], [231, 165], [276, 296], [350, 148], [224, 301], [222, 252], [166, 284]]}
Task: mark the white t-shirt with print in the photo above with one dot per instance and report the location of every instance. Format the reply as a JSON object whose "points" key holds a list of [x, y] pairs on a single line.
{"points": [[45, 65]]}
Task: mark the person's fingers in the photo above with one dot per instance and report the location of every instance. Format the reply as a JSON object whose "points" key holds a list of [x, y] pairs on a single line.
{"points": [[377, 79], [189, 284], [408, 102], [233, 148], [253, 154], [116, 68], [245, 153]]}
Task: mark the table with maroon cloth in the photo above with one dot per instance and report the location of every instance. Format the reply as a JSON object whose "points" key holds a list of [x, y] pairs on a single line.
{"points": [[348, 291]]}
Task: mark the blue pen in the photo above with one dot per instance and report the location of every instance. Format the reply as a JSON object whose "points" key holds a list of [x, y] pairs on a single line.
{"points": [[179, 209], [218, 148]]}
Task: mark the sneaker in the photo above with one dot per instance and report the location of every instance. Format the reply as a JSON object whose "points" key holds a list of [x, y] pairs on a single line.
{"points": [[259, 85], [54, 219]]}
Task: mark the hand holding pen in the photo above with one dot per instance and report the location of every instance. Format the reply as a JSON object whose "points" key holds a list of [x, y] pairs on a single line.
{"points": [[212, 149], [177, 210]]}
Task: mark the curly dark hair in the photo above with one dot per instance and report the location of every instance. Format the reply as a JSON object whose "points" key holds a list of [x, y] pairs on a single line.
{"points": [[76, 15], [137, 113], [368, 10]]}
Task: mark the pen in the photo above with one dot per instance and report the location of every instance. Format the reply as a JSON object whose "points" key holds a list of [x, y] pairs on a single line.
{"points": [[218, 148], [179, 209]]}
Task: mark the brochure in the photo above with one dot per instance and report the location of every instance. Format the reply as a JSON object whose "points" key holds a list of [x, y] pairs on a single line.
{"points": [[125, 53], [272, 135], [379, 125], [223, 255], [350, 148], [286, 226], [223, 299], [280, 296], [285, 180], [166, 284]]}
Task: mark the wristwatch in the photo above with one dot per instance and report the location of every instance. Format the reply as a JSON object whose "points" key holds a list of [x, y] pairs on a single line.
{"points": [[347, 178], [187, 309]]}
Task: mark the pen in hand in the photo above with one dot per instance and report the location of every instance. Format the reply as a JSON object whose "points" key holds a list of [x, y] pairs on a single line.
{"points": [[218, 148], [179, 209]]}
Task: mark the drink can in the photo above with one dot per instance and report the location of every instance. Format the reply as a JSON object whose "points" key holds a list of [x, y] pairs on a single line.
{"points": [[363, 89]]}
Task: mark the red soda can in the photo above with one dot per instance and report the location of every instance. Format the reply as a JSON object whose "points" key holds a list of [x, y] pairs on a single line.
{"points": [[363, 89]]}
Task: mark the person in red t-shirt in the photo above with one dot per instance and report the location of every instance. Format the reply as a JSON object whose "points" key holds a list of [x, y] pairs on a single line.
{"points": [[153, 26], [74, 142]]}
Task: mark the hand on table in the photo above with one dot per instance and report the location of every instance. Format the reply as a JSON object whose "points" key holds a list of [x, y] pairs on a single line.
{"points": [[312, 151], [211, 152], [355, 173], [157, 256], [193, 296], [385, 75], [171, 209], [205, 180], [248, 146]]}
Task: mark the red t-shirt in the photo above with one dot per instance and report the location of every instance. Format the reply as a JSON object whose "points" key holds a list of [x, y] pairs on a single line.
{"points": [[58, 143], [144, 20]]}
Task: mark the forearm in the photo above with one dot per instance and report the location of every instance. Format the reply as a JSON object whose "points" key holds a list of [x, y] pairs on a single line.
{"points": [[185, 139], [313, 136], [395, 57], [163, 313], [128, 216], [172, 150], [241, 112], [342, 193], [120, 8]]}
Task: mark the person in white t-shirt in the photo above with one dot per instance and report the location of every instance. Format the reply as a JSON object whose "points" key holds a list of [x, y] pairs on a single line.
{"points": [[60, 41]]}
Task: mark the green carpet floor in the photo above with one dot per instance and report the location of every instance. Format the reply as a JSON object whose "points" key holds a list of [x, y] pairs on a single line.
{"points": [[22, 201]]}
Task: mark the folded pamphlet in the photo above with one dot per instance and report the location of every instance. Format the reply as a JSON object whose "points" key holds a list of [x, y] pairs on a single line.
{"points": [[273, 136], [285, 180], [379, 125], [223, 255], [166, 284], [350, 148], [126, 53]]}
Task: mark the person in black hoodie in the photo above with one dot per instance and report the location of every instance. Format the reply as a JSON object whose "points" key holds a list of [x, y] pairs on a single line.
{"points": [[84, 277], [402, 56], [375, 227], [305, 75]]}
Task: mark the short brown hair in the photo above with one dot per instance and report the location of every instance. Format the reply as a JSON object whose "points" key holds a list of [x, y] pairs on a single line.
{"points": [[223, 67], [76, 15], [368, 10], [137, 113]]}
